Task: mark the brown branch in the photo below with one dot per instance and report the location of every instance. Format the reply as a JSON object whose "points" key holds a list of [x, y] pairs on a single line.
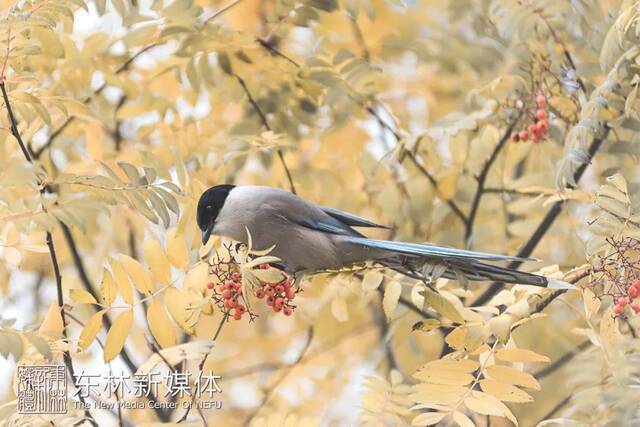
{"points": [[482, 178], [562, 360], [201, 367], [546, 222], [265, 123], [279, 381], [52, 249]]}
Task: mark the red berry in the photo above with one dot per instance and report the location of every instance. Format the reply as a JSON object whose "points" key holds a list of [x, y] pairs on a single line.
{"points": [[288, 311], [635, 307], [623, 301], [264, 266], [240, 309], [277, 308], [543, 125], [237, 316], [260, 293], [279, 302], [210, 285], [531, 128], [235, 276], [232, 303], [523, 135], [269, 291], [636, 283], [515, 137], [618, 309], [536, 137], [270, 300], [227, 303], [279, 289], [541, 114], [632, 292], [226, 294], [291, 294], [541, 100]]}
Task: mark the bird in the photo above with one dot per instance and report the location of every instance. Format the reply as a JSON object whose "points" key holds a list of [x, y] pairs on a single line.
{"points": [[308, 238]]}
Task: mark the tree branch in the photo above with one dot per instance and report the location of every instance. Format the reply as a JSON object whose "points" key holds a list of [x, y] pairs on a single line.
{"points": [[545, 224], [52, 249], [482, 178], [562, 360]]}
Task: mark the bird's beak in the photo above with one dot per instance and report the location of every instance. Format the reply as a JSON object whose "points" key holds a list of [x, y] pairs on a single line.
{"points": [[207, 233]]}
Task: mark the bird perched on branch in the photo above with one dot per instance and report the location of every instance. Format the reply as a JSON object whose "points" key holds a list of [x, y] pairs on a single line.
{"points": [[308, 238]]}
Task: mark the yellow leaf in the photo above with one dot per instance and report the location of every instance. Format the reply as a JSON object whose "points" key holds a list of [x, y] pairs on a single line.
{"points": [[442, 306], [138, 274], [391, 297], [122, 281], [108, 287], [462, 365], [177, 303], [505, 392], [157, 260], [372, 280], [485, 404], [90, 330], [441, 394], [444, 376], [456, 338], [511, 375], [520, 355], [80, 296], [339, 309], [52, 322], [462, 420], [591, 302], [160, 324], [428, 419], [177, 251], [117, 335]]}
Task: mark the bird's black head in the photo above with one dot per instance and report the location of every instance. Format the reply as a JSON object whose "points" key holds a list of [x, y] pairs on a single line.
{"points": [[209, 207]]}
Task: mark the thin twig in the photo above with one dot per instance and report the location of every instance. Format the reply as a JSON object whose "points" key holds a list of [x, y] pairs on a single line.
{"points": [[482, 178], [562, 360], [221, 11], [265, 123], [279, 381]]}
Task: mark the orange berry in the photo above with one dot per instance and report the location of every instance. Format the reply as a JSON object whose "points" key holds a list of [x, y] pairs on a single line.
{"points": [[541, 114], [523, 135]]}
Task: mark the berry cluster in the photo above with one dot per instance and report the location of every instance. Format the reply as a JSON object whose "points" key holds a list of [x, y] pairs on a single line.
{"points": [[537, 130], [633, 291], [279, 295], [229, 297]]}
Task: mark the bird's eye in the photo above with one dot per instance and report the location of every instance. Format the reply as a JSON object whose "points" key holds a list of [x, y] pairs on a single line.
{"points": [[209, 208]]}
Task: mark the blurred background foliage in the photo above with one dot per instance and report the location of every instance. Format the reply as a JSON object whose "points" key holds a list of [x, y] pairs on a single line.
{"points": [[402, 112]]}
